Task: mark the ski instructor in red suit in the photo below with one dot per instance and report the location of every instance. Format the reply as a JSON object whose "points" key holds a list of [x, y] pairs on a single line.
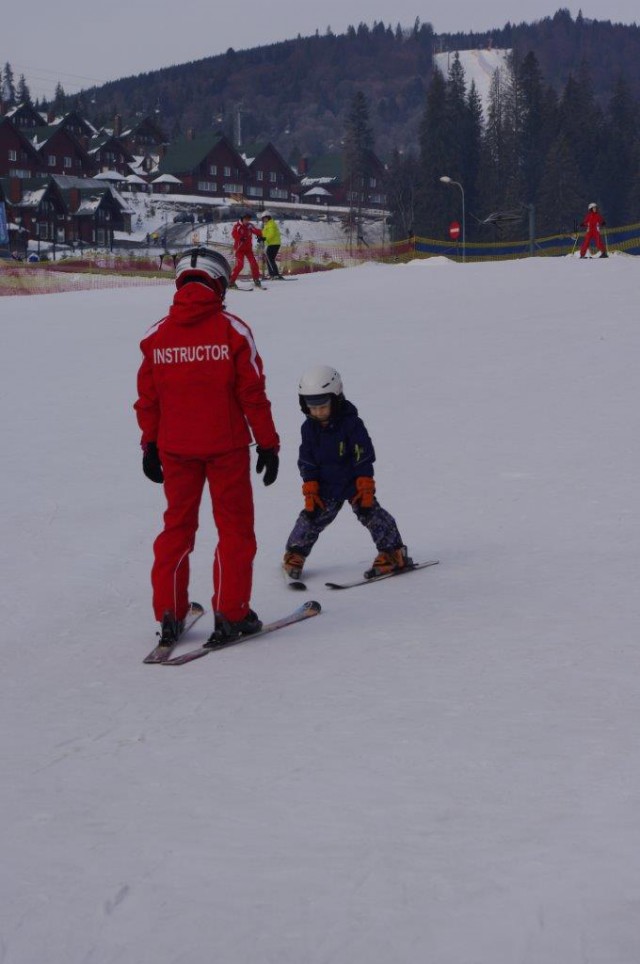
{"points": [[242, 233], [201, 395]]}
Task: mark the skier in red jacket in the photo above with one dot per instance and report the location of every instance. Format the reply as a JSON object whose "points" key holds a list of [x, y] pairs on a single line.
{"points": [[593, 221], [242, 234], [200, 388]]}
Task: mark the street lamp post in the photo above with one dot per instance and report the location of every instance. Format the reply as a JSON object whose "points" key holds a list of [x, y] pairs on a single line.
{"points": [[447, 180]]}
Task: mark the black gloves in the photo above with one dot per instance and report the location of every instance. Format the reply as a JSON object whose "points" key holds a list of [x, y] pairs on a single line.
{"points": [[269, 461], [151, 464]]}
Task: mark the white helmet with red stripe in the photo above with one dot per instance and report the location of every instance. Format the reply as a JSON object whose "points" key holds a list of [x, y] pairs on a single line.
{"points": [[202, 264]]}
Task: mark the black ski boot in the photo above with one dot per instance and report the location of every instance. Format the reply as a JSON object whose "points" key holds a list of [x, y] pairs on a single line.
{"points": [[226, 631], [170, 630]]}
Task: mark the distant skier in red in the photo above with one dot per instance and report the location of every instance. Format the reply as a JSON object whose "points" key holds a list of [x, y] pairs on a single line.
{"points": [[593, 221], [242, 234]]}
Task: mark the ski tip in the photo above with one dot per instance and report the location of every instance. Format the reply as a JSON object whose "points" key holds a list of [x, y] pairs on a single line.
{"points": [[312, 606]]}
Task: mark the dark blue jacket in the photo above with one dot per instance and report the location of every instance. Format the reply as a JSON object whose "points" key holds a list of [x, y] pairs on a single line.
{"points": [[336, 454]]}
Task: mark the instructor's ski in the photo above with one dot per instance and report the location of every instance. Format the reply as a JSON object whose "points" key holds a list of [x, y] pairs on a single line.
{"points": [[162, 652], [305, 611], [386, 575]]}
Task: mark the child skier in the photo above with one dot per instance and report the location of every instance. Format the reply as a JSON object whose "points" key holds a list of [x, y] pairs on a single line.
{"points": [[593, 221], [336, 464]]}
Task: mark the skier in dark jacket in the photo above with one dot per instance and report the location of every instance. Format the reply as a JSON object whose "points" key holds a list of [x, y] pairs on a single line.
{"points": [[336, 464]]}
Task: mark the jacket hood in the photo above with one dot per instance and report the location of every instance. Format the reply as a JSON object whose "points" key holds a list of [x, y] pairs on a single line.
{"points": [[194, 302]]}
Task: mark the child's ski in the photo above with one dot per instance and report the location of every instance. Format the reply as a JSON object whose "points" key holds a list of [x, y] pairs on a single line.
{"points": [[161, 653], [308, 609], [386, 575], [296, 584]]}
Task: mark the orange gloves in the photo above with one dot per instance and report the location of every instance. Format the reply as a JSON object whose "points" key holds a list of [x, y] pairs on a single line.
{"points": [[365, 492], [312, 500]]}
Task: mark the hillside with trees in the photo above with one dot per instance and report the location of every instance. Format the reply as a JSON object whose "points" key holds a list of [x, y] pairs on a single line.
{"points": [[561, 128]]}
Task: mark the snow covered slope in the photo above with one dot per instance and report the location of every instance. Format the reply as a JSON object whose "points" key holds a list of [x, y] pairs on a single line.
{"points": [[478, 65], [443, 768]]}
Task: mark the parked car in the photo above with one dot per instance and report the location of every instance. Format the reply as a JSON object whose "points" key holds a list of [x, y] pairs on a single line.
{"points": [[184, 218]]}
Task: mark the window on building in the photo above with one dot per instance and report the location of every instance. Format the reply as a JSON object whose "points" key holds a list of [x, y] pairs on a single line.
{"points": [[259, 175], [210, 186], [68, 161], [213, 169], [51, 160], [255, 191], [13, 155], [227, 172], [273, 177]]}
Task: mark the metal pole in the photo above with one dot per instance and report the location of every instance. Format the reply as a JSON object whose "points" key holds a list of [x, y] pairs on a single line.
{"points": [[464, 232]]}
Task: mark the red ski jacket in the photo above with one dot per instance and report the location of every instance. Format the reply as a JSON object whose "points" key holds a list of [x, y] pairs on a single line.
{"points": [[241, 234], [201, 380], [593, 221]]}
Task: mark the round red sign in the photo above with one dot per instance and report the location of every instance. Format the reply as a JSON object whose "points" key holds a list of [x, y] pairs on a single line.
{"points": [[454, 230]]}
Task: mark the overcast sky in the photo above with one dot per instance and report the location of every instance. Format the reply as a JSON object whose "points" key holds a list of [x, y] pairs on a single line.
{"points": [[88, 45]]}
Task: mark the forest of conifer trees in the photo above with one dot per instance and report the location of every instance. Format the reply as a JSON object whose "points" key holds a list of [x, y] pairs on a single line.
{"points": [[555, 152]]}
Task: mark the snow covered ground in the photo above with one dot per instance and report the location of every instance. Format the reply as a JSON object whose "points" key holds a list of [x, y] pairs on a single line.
{"points": [[442, 768]]}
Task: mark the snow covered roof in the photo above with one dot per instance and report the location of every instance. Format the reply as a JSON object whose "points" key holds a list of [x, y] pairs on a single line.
{"points": [[31, 199], [166, 179], [109, 176], [315, 181]]}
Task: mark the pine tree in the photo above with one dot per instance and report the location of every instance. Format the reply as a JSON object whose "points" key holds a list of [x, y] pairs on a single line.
{"points": [[560, 203], [358, 145], [403, 176], [472, 153], [580, 119], [433, 202], [59, 99], [23, 93], [614, 164], [8, 86]]}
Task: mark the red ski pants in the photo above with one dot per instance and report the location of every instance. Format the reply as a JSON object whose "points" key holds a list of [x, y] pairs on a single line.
{"points": [[590, 236], [239, 265], [229, 482]]}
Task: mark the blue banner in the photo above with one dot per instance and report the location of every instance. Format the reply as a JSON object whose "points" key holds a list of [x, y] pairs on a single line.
{"points": [[4, 234]]}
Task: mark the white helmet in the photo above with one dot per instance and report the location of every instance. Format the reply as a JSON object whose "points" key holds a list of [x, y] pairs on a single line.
{"points": [[202, 264], [592, 206], [265, 215], [319, 385]]}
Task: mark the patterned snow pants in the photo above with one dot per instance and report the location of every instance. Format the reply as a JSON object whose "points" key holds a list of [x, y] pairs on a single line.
{"points": [[380, 523]]}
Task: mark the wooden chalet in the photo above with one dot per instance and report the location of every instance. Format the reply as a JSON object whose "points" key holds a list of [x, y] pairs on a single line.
{"points": [[324, 181], [270, 179], [206, 164], [108, 153], [142, 138], [61, 151], [65, 210], [18, 156]]}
